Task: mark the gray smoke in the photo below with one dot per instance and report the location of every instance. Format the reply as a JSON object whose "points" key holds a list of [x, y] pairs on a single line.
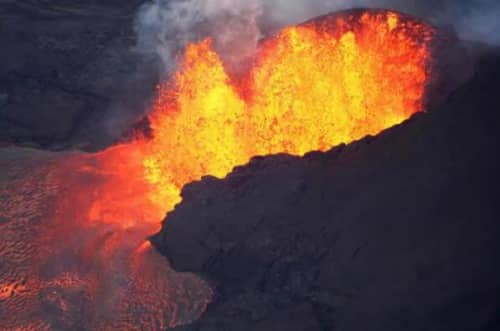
{"points": [[165, 26]]}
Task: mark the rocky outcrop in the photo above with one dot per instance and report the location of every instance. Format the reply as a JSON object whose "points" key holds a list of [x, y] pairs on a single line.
{"points": [[394, 232]]}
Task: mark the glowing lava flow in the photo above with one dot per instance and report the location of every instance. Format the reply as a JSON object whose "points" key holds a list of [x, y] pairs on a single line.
{"points": [[330, 81], [73, 225], [311, 87]]}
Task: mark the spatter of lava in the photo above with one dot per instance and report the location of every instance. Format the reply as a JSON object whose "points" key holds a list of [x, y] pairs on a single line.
{"points": [[72, 228], [311, 87]]}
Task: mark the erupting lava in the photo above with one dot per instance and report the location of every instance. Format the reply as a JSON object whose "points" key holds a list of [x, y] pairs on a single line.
{"points": [[86, 266], [330, 81]]}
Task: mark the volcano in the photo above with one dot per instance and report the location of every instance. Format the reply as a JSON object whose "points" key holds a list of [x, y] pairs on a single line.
{"points": [[75, 253]]}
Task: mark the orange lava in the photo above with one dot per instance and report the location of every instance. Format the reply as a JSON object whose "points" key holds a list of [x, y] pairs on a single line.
{"points": [[74, 247], [311, 87]]}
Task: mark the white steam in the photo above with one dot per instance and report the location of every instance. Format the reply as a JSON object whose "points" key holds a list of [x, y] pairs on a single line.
{"points": [[165, 26], [473, 19]]}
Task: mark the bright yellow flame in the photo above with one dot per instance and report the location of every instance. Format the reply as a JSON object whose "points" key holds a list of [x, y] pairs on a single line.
{"points": [[195, 136], [311, 88], [392, 21]]}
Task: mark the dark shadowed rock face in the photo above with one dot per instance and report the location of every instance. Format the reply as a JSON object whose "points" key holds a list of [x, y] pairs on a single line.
{"points": [[397, 232], [68, 68]]}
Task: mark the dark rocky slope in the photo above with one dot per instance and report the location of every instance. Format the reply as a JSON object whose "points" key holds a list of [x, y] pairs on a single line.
{"points": [[396, 232], [67, 68]]}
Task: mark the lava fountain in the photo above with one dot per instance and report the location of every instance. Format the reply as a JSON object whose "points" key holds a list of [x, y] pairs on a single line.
{"points": [[86, 265], [329, 81]]}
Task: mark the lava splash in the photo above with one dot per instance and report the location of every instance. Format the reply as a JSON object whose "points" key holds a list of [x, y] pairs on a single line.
{"points": [[84, 263]]}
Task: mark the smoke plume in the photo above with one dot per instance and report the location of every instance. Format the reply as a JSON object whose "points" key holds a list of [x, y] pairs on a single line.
{"points": [[165, 26]]}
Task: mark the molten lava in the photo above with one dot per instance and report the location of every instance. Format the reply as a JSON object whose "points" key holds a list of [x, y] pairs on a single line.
{"points": [[72, 251], [330, 81], [311, 87]]}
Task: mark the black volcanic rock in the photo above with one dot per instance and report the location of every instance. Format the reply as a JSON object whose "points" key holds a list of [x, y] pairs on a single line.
{"points": [[67, 67], [395, 232]]}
